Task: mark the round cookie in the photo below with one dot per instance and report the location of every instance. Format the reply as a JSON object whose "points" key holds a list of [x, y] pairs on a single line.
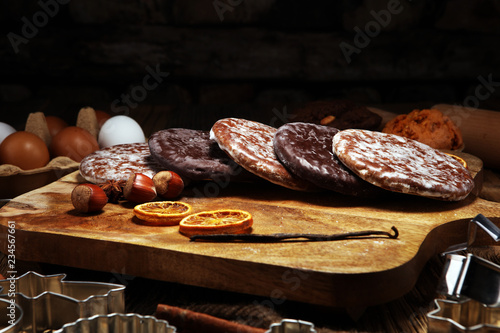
{"points": [[306, 150], [250, 144], [402, 165], [193, 155], [118, 162]]}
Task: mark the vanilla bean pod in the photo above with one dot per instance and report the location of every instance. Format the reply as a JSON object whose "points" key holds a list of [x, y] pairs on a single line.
{"points": [[297, 237]]}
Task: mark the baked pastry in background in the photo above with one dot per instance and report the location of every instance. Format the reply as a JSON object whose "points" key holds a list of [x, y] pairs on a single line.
{"points": [[429, 126], [340, 114]]}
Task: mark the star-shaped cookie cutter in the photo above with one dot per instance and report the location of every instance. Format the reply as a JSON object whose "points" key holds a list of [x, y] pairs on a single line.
{"points": [[471, 286], [471, 276], [48, 302], [463, 316]]}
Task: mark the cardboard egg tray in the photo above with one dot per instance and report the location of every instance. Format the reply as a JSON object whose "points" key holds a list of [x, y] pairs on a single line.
{"points": [[15, 181]]}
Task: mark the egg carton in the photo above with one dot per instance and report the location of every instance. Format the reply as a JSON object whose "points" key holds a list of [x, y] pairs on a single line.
{"points": [[47, 302]]}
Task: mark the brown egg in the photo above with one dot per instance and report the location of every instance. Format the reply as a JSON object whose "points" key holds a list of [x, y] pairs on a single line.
{"points": [[102, 117], [73, 142], [25, 150], [55, 124]]}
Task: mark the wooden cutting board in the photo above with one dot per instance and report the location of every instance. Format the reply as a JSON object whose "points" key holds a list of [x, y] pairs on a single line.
{"points": [[346, 273]]}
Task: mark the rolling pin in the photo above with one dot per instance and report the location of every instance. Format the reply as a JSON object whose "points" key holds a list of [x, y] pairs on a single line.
{"points": [[480, 131]]}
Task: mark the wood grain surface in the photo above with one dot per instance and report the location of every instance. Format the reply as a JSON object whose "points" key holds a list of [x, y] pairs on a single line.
{"points": [[347, 273]]}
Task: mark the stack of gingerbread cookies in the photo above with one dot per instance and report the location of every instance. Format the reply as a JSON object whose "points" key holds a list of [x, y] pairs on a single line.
{"points": [[317, 151]]}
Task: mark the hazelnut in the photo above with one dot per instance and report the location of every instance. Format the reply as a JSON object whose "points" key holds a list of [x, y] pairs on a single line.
{"points": [[139, 188], [88, 198], [168, 184]]}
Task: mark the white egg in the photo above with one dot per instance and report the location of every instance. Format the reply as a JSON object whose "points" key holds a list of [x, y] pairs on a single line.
{"points": [[5, 131], [119, 130]]}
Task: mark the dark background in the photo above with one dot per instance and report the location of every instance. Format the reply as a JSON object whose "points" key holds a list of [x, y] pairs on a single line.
{"points": [[254, 59]]}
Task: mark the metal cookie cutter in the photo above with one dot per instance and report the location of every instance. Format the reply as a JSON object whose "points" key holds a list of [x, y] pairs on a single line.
{"points": [[48, 302], [478, 221], [10, 316], [463, 316], [472, 287], [471, 277], [118, 323], [292, 326]]}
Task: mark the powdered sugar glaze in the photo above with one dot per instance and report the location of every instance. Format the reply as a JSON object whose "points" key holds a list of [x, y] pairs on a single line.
{"points": [[118, 162], [402, 165], [306, 150], [250, 144]]}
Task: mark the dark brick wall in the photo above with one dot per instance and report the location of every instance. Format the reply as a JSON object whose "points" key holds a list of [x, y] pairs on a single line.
{"points": [[225, 56]]}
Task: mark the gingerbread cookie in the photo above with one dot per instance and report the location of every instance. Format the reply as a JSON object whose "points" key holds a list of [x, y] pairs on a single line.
{"points": [[250, 144], [118, 162], [193, 155], [306, 150], [402, 165]]}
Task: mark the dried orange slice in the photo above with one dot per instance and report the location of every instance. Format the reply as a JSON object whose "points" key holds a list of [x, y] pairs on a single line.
{"points": [[223, 221], [459, 159], [162, 212]]}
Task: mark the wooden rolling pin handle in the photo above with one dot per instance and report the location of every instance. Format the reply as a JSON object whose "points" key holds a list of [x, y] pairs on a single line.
{"points": [[480, 131], [187, 321]]}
